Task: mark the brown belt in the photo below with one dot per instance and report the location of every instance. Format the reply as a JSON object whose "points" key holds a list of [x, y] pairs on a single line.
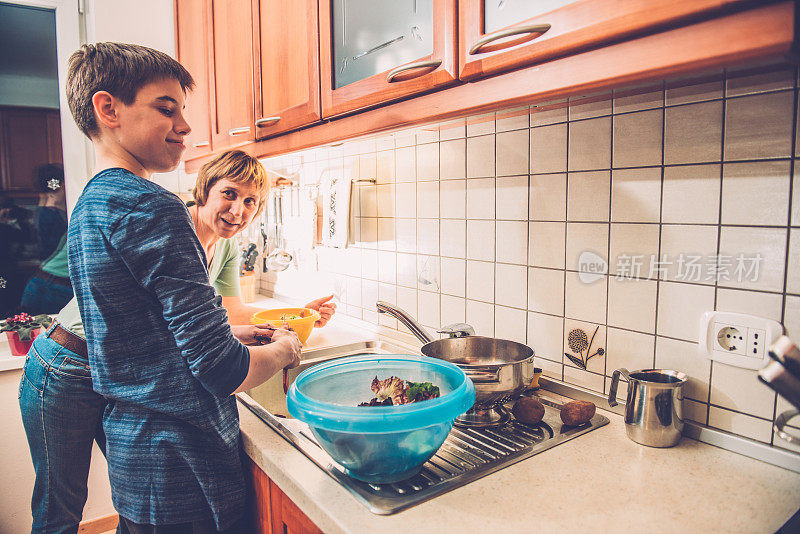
{"points": [[69, 341]]}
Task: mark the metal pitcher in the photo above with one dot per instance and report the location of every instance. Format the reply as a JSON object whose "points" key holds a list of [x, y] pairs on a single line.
{"points": [[654, 408]]}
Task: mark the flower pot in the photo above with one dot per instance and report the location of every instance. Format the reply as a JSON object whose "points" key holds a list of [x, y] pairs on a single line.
{"points": [[18, 347]]}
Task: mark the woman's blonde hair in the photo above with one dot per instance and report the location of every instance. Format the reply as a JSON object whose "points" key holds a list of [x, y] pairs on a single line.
{"points": [[236, 166]]}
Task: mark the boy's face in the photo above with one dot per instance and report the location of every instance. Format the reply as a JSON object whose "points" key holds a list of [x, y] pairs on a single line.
{"points": [[152, 128]]}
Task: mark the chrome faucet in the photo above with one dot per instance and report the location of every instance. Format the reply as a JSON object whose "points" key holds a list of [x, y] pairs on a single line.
{"points": [[453, 330]]}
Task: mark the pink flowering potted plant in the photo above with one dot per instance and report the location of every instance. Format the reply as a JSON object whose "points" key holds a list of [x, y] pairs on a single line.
{"points": [[21, 329]]}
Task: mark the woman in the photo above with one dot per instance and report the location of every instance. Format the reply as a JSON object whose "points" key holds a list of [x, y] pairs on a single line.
{"points": [[60, 411]]}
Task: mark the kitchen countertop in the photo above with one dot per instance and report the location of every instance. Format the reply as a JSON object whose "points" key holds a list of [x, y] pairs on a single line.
{"points": [[598, 482]]}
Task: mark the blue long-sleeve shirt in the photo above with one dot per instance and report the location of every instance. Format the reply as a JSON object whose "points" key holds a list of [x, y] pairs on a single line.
{"points": [[161, 351]]}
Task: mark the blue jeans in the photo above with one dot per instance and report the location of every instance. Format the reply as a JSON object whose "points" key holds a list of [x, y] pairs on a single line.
{"points": [[45, 296], [62, 415]]}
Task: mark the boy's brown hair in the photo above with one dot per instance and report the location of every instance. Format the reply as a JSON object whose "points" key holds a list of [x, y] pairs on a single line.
{"points": [[121, 70], [236, 166]]}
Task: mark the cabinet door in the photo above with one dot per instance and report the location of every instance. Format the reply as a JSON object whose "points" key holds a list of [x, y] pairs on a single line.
{"points": [[25, 147], [286, 516], [192, 35], [373, 52], [232, 49], [55, 153], [499, 35], [287, 65]]}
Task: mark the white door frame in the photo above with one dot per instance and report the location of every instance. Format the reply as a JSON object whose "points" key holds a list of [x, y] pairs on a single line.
{"points": [[78, 154]]}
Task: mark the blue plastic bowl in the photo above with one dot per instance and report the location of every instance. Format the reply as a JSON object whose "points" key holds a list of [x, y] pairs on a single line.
{"points": [[379, 444]]}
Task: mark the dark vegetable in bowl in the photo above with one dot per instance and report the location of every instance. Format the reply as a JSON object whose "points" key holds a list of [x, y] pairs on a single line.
{"points": [[394, 391]]}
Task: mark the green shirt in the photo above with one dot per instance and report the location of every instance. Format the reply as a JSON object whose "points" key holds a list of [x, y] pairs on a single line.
{"points": [[56, 263], [223, 270]]}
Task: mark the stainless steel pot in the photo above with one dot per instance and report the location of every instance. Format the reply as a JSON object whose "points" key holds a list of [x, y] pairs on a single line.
{"points": [[500, 369]]}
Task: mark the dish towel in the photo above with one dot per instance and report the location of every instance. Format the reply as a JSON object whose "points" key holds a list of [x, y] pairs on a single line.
{"points": [[336, 212]]}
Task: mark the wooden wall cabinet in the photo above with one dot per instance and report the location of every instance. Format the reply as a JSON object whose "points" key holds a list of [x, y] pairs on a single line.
{"points": [[567, 29], [29, 137], [423, 74], [286, 57], [271, 510], [192, 18]]}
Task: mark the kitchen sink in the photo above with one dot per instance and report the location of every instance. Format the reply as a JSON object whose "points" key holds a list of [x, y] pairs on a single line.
{"points": [[270, 395]]}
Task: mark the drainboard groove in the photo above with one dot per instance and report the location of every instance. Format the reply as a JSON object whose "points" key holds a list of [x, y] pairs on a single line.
{"points": [[436, 471], [508, 438], [444, 466], [535, 433], [483, 444], [463, 455], [471, 448], [490, 441], [453, 460]]}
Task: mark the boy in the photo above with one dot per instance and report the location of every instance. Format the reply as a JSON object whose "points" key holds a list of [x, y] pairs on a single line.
{"points": [[159, 344]]}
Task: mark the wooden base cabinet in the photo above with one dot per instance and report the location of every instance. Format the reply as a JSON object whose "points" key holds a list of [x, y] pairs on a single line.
{"points": [[271, 511], [29, 137]]}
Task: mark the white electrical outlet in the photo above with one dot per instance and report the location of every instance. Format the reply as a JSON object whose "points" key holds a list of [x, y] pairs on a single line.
{"points": [[737, 338]]}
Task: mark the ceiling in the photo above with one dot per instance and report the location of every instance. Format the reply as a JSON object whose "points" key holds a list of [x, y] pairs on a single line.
{"points": [[27, 41]]}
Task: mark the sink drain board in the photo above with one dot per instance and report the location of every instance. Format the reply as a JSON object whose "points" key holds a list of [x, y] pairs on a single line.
{"points": [[466, 455]]}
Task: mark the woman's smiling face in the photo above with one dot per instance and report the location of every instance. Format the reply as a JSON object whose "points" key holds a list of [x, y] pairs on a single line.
{"points": [[230, 207]]}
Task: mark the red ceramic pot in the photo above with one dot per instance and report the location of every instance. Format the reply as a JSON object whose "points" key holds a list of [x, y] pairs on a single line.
{"points": [[18, 347]]}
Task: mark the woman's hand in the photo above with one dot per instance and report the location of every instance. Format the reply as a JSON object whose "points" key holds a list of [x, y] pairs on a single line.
{"points": [[253, 334], [287, 340], [326, 309]]}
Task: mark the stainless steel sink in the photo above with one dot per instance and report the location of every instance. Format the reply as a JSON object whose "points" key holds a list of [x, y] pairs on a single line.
{"points": [[270, 394]]}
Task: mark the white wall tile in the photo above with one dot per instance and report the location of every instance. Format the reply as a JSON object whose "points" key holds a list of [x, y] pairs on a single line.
{"points": [[694, 88], [511, 119], [369, 294], [369, 264], [759, 79], [793, 274], [387, 267], [368, 235], [750, 192], [406, 201], [385, 200], [631, 350], [548, 198], [685, 357], [481, 198], [739, 389], [354, 291], [633, 251], [680, 307], [546, 244], [512, 242], [510, 323], [632, 304], [752, 302], [407, 270], [693, 133], [428, 162], [759, 126], [638, 139], [586, 302], [454, 129], [689, 249], [454, 277], [480, 315], [511, 282], [512, 152], [588, 196], [385, 166], [428, 200], [586, 106], [428, 236], [388, 293], [429, 273], [453, 159], [583, 379], [546, 291], [796, 187], [454, 238], [405, 164], [590, 144], [426, 134], [454, 310], [791, 316], [695, 411], [583, 237], [368, 200], [480, 124], [548, 151], [453, 199], [636, 195], [648, 96], [386, 235], [480, 156], [512, 198], [480, 280], [549, 112], [769, 243], [406, 235], [480, 240], [691, 194], [429, 309], [546, 337], [407, 299], [741, 424]]}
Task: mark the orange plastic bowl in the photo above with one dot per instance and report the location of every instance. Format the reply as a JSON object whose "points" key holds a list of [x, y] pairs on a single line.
{"points": [[303, 325]]}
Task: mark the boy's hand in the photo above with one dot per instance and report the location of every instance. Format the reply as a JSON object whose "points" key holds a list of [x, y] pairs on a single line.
{"points": [[287, 340], [326, 309], [249, 334]]}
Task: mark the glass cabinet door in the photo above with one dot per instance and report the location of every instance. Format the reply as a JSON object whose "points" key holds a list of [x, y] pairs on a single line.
{"points": [[499, 14], [374, 36]]}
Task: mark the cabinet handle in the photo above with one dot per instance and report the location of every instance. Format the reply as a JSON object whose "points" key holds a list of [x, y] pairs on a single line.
{"points": [[201, 144], [516, 30], [239, 131], [434, 63], [267, 121]]}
